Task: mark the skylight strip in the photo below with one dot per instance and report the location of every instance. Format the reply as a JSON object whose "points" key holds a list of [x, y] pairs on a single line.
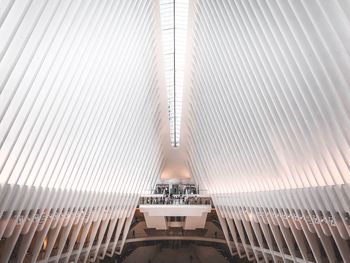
{"points": [[174, 30]]}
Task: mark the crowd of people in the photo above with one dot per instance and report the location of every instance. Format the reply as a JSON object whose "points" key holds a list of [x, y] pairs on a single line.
{"points": [[176, 199]]}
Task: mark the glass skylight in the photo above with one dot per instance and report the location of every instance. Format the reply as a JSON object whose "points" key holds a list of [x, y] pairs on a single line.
{"points": [[174, 16]]}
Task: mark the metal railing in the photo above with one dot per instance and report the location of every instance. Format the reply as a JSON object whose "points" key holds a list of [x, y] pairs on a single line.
{"points": [[175, 200]]}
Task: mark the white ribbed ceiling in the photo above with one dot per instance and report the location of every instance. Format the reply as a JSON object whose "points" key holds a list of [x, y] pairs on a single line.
{"points": [[269, 96]]}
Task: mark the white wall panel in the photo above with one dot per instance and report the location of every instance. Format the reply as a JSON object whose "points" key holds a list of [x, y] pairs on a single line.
{"points": [[81, 132], [267, 127], [269, 95]]}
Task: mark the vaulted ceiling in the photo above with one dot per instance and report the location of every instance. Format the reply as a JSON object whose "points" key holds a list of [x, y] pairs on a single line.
{"points": [[83, 98]]}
